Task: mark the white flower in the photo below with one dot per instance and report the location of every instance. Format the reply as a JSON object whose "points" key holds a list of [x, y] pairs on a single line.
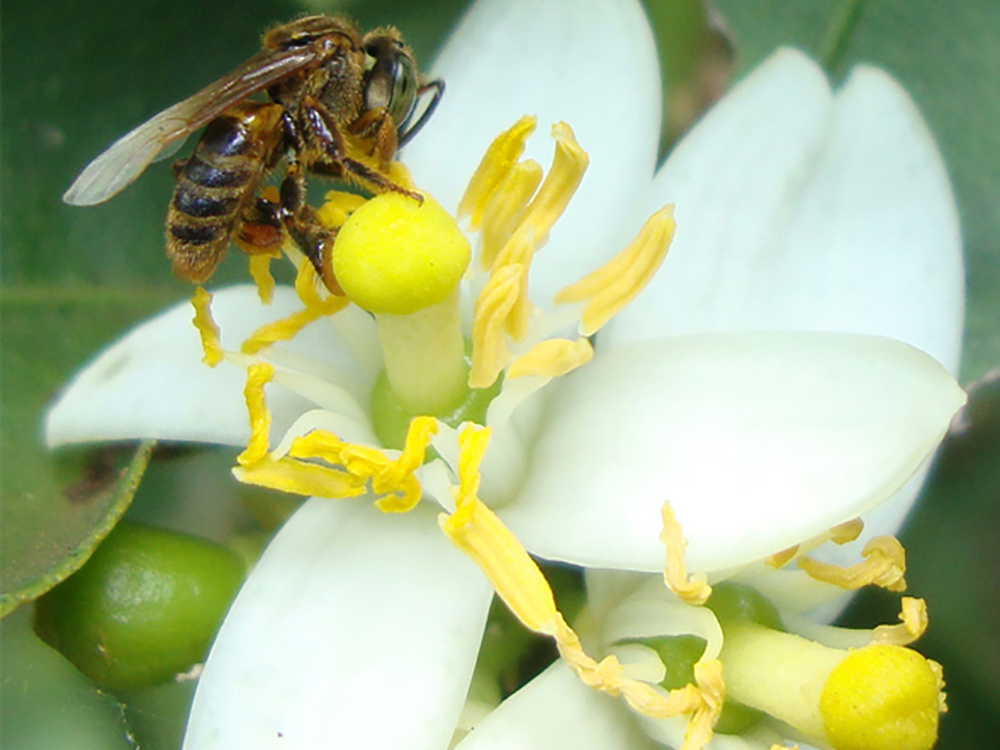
{"points": [[797, 210]]}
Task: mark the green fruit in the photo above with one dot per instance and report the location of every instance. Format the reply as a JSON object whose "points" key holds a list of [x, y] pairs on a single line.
{"points": [[144, 608]]}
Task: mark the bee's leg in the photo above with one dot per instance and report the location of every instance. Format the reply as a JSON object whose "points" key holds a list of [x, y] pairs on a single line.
{"points": [[314, 238], [324, 136], [377, 125], [261, 228]]}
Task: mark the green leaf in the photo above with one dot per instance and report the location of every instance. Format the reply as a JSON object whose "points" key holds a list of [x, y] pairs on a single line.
{"points": [[55, 508]]}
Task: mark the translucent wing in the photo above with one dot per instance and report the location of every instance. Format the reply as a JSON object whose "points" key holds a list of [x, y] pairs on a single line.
{"points": [[128, 157]]}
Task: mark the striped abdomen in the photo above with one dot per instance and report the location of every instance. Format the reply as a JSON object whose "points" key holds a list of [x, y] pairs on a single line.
{"points": [[215, 184]]}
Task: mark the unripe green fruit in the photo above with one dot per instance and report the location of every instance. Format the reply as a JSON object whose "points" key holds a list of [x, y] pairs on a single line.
{"points": [[144, 608]]}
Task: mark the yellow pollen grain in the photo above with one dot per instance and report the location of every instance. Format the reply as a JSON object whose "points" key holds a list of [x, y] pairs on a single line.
{"points": [[552, 358], [207, 328], [506, 210], [500, 158], [914, 621], [691, 589], [884, 566], [300, 478], [497, 299], [611, 287], [259, 374], [260, 271]]}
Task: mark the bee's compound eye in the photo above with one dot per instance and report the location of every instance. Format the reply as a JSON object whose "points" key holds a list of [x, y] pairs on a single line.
{"points": [[404, 89]]}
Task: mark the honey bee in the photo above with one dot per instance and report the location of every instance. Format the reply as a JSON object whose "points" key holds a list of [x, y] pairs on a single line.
{"points": [[340, 105]]}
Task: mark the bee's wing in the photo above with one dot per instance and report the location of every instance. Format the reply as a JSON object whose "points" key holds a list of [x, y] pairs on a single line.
{"points": [[126, 158]]}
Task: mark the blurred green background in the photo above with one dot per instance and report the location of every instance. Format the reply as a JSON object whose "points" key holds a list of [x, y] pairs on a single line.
{"points": [[78, 75]]}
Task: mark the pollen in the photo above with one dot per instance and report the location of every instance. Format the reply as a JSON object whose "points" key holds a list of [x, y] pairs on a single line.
{"points": [[884, 565], [610, 288], [207, 328], [882, 698]]}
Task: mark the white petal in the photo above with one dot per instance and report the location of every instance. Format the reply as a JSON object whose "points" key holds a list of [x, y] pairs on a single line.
{"points": [[153, 384], [758, 441], [590, 63], [555, 710], [785, 221], [356, 629], [732, 179]]}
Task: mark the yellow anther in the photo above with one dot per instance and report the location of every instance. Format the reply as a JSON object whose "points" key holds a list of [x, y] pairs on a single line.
{"points": [[259, 374], [279, 330], [338, 206], [691, 589], [301, 478], [260, 271], [498, 161], [207, 329], [913, 616], [506, 210], [393, 479], [881, 698], [552, 358], [611, 287], [517, 253], [847, 531], [307, 289], [397, 255], [489, 340], [884, 565], [568, 166], [781, 559], [478, 532]]}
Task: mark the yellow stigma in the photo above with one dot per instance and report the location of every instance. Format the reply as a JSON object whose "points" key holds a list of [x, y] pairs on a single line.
{"points": [[882, 698], [396, 255]]}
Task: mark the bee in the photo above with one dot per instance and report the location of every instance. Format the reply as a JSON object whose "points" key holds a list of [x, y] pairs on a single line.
{"points": [[339, 104]]}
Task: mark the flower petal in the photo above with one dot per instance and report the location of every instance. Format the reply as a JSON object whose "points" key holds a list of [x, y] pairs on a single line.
{"points": [[758, 441], [557, 710], [153, 384], [590, 63], [732, 179], [355, 630], [799, 216]]}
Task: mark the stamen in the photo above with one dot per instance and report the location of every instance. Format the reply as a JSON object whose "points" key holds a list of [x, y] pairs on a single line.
{"points": [[839, 534], [692, 589], [884, 566], [496, 164], [611, 287], [207, 328], [781, 559], [307, 289], [568, 166], [913, 614], [506, 210], [475, 530], [258, 375], [300, 478], [552, 358], [489, 341], [278, 330], [260, 270], [338, 206]]}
